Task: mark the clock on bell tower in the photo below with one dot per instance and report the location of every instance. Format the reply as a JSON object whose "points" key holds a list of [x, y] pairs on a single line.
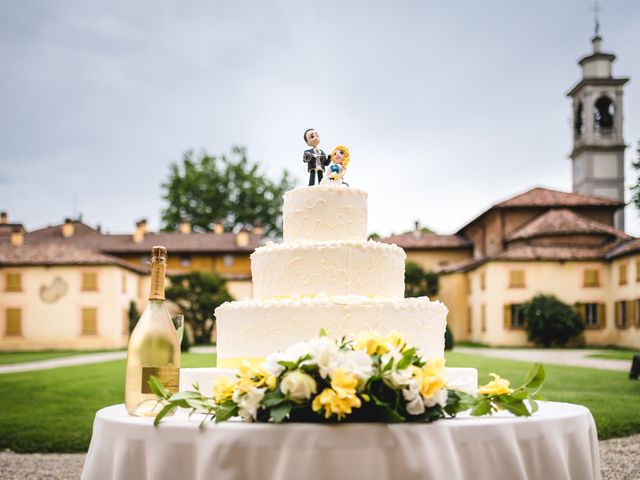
{"points": [[598, 144]]}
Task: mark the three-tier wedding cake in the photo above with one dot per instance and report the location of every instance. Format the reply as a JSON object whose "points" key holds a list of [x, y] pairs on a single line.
{"points": [[325, 275]]}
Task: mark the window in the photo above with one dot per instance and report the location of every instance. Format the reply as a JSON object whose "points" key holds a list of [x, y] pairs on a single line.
{"points": [[603, 114], [636, 314], [13, 282], [516, 279], [89, 282], [124, 283], [89, 321], [125, 322], [483, 282], [13, 322], [622, 274], [469, 320], [514, 318], [592, 314], [483, 319], [185, 260], [591, 278], [637, 271], [623, 313], [227, 260]]}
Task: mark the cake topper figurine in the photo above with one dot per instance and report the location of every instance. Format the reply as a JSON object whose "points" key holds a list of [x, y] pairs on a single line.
{"points": [[315, 158], [339, 161]]}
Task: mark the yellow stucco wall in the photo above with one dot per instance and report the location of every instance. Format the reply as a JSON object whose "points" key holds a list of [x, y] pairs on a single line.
{"points": [[231, 264], [453, 292], [431, 259], [58, 324]]}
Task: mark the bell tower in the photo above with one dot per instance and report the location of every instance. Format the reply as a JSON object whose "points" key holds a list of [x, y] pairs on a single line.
{"points": [[598, 145]]}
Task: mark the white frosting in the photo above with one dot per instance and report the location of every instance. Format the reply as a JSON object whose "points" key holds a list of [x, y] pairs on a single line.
{"points": [[253, 328], [334, 268], [322, 213]]}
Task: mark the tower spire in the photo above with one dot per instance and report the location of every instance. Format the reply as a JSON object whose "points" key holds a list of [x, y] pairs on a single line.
{"points": [[596, 9]]}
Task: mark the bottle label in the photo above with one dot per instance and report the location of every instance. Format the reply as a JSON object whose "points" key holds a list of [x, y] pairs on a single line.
{"points": [[169, 377], [157, 281]]}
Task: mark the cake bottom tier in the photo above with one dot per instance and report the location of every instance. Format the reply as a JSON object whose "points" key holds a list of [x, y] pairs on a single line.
{"points": [[252, 329], [464, 379]]}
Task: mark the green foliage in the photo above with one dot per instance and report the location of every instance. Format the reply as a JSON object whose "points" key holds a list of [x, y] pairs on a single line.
{"points": [[230, 189], [133, 315], [198, 294], [418, 283], [185, 344], [551, 321], [448, 339], [635, 188]]}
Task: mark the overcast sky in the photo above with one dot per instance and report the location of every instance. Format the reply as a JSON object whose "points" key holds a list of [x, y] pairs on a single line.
{"points": [[447, 107]]}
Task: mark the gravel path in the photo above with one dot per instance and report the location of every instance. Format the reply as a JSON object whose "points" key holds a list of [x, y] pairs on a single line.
{"points": [[573, 357], [619, 457], [63, 362]]}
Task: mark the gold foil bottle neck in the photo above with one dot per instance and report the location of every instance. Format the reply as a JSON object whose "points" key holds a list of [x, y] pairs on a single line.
{"points": [[158, 265]]}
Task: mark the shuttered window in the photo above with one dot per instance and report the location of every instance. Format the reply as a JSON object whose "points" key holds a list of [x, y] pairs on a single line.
{"points": [[13, 282], [637, 271], [625, 312], [89, 321], [13, 322], [89, 282], [593, 315], [483, 318], [514, 317], [483, 281], [469, 320], [591, 278], [516, 279], [622, 274]]}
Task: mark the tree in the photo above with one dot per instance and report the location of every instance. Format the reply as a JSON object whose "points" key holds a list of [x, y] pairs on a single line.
{"points": [[229, 189], [635, 188], [418, 283], [198, 294], [133, 315], [551, 321]]}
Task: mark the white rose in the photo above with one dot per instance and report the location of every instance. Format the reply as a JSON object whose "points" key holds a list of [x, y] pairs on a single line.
{"points": [[298, 386], [249, 403], [357, 362], [415, 403], [439, 398], [398, 378], [271, 364], [323, 351]]}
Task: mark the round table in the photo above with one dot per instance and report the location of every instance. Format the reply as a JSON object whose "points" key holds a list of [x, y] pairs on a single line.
{"points": [[558, 442]]}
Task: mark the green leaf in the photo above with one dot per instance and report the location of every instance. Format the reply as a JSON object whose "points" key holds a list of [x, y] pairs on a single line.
{"points": [[483, 407], [157, 388], [280, 411], [534, 405], [323, 333], [535, 377], [225, 411], [184, 396], [458, 401], [388, 366], [273, 398], [163, 413], [407, 358], [517, 407], [288, 365]]}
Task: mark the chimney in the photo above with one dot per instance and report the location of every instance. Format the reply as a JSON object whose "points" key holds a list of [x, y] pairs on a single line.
{"points": [[140, 231], [218, 227], [4, 218], [185, 225], [17, 236], [416, 229], [242, 238], [67, 228], [257, 229]]}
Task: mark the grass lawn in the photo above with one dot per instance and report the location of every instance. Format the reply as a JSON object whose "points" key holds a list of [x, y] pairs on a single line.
{"points": [[614, 354], [10, 358], [53, 410]]}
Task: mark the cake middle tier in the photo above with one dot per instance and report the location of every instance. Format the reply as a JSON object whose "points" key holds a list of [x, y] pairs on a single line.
{"points": [[252, 329], [332, 268]]}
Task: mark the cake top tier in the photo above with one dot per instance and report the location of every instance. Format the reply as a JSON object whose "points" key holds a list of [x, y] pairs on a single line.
{"points": [[324, 213]]}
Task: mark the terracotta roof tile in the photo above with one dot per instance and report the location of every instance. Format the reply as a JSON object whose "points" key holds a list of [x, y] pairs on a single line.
{"points": [[546, 197], [562, 222], [410, 241], [528, 252], [624, 248]]}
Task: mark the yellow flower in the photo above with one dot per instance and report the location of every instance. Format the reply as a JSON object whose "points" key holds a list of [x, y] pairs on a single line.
{"points": [[497, 386], [371, 342], [396, 340], [223, 388], [344, 383], [332, 404], [253, 376], [431, 377]]}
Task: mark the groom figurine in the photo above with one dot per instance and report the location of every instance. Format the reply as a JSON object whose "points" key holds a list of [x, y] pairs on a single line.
{"points": [[315, 158]]}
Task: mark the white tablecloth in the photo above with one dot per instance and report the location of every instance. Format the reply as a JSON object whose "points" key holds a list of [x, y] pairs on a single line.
{"points": [[558, 442]]}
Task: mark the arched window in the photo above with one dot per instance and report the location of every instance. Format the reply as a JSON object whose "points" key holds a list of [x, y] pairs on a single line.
{"points": [[578, 120], [603, 113]]}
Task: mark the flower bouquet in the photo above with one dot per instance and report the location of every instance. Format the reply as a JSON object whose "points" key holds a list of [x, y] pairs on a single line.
{"points": [[370, 378]]}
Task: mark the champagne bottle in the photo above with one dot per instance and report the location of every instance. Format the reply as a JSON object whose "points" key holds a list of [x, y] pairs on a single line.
{"points": [[153, 347]]}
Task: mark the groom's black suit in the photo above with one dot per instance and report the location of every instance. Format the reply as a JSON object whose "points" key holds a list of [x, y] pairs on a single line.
{"points": [[316, 160]]}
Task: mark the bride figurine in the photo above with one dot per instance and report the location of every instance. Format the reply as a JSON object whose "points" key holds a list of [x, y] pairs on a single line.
{"points": [[339, 161]]}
